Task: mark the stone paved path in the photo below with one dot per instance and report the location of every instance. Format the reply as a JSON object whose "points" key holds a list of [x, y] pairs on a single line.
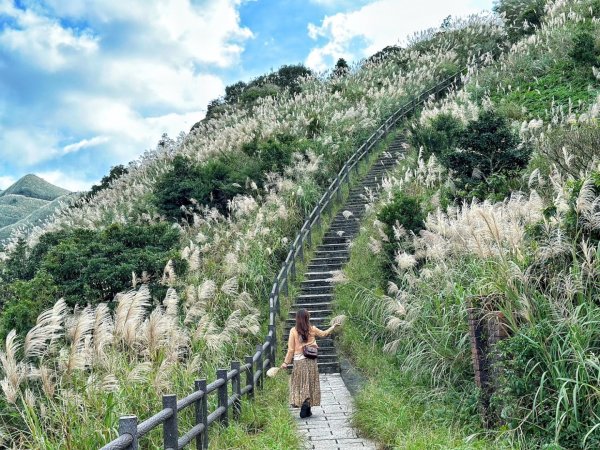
{"points": [[329, 427]]}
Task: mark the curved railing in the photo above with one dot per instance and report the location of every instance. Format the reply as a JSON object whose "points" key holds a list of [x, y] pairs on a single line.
{"points": [[130, 431]]}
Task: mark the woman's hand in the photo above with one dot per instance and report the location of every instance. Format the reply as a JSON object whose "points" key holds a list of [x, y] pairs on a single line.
{"points": [[284, 366]]}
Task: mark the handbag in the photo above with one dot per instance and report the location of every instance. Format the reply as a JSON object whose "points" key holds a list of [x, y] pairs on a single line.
{"points": [[310, 351]]}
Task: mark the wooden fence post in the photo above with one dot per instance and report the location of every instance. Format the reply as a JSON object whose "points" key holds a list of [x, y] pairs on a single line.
{"points": [[284, 283], [250, 376], [201, 415], [273, 328], [237, 390], [301, 248], [128, 425], [170, 430], [222, 375], [259, 366], [293, 266]]}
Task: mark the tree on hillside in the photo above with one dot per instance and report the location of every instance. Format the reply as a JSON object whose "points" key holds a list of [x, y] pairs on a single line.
{"points": [[341, 68], [115, 172], [287, 77]]}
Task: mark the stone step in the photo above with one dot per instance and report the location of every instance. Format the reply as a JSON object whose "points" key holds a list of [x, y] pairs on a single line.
{"points": [[325, 358], [319, 282], [329, 254], [325, 267], [314, 298], [318, 274], [329, 247], [313, 312], [335, 239], [311, 290], [323, 305], [346, 225], [341, 220], [320, 322]]}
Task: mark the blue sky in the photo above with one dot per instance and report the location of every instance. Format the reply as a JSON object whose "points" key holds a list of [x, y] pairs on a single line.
{"points": [[85, 85]]}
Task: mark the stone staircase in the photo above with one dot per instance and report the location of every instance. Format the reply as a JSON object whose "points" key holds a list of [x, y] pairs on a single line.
{"points": [[316, 291]]}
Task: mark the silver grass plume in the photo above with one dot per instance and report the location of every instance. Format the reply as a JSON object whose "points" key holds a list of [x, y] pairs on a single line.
{"points": [[171, 302], [130, 313], [47, 330], [79, 330], [230, 287], [102, 331], [14, 370]]}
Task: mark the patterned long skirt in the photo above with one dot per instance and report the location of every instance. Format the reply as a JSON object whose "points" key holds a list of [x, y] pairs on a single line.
{"points": [[304, 383]]}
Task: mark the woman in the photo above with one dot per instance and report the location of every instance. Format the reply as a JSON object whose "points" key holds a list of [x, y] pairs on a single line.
{"points": [[305, 390]]}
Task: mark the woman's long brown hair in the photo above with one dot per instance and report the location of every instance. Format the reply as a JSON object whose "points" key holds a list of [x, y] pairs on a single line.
{"points": [[303, 324]]}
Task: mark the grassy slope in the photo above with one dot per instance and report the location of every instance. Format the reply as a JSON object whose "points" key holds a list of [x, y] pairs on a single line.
{"points": [[34, 218], [265, 423], [14, 207], [27, 203], [395, 408], [36, 187]]}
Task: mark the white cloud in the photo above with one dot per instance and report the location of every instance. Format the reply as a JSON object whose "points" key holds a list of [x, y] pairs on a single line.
{"points": [[43, 41], [27, 146], [85, 143], [64, 180], [377, 24], [6, 181], [127, 72], [207, 32]]}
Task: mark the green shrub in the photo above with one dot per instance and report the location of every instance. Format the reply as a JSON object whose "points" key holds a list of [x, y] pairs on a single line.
{"points": [[485, 156], [488, 158], [584, 49], [213, 184], [22, 301], [115, 173], [439, 137], [87, 266], [217, 181], [404, 210]]}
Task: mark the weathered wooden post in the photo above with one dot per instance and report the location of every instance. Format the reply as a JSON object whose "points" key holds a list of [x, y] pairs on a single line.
{"points": [[128, 425], [222, 395], [259, 366], [202, 415], [250, 376], [273, 329], [170, 430], [237, 390]]}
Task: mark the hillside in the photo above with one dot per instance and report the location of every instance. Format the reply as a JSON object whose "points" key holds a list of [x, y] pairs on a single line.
{"points": [[32, 186], [27, 203], [14, 207], [471, 294]]}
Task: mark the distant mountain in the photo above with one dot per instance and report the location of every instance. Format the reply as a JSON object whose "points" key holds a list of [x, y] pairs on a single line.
{"points": [[33, 186], [27, 203]]}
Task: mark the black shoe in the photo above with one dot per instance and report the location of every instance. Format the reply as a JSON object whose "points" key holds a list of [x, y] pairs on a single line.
{"points": [[305, 410]]}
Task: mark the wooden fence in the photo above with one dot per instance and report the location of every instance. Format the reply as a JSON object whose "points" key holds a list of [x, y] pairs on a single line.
{"points": [[254, 368]]}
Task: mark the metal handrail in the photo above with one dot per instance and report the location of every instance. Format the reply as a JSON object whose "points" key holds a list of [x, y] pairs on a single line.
{"points": [[256, 365]]}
